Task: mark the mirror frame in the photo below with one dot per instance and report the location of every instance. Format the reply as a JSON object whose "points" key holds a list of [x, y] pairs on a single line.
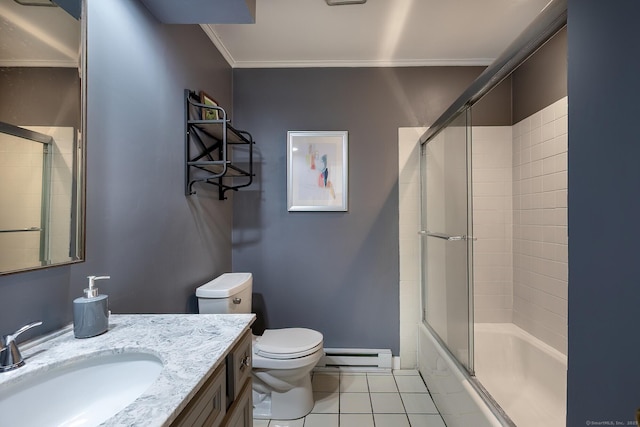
{"points": [[81, 175]]}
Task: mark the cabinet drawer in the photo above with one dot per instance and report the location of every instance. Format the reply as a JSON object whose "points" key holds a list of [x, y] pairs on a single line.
{"points": [[239, 366], [208, 406]]}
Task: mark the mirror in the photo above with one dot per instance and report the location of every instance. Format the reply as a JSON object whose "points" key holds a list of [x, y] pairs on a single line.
{"points": [[41, 128]]}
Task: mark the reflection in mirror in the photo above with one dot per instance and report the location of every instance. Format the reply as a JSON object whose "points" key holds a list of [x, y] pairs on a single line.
{"points": [[41, 155]]}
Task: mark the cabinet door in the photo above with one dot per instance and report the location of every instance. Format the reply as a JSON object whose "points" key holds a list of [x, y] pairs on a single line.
{"points": [[239, 366], [207, 408], [242, 412]]}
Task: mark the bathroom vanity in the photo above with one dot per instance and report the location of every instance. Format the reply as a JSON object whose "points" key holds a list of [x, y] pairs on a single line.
{"points": [[204, 365]]}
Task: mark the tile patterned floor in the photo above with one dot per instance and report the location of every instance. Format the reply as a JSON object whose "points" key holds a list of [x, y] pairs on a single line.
{"points": [[352, 399]]}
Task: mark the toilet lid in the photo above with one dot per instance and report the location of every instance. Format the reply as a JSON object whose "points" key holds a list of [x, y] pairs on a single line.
{"points": [[288, 343], [225, 285]]}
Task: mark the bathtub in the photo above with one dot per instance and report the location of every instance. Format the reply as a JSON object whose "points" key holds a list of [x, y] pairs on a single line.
{"points": [[527, 377], [530, 388]]}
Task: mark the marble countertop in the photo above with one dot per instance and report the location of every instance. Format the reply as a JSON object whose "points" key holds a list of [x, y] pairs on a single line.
{"points": [[191, 347]]}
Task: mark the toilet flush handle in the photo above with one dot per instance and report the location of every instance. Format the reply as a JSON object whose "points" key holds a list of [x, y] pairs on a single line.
{"points": [[237, 300]]}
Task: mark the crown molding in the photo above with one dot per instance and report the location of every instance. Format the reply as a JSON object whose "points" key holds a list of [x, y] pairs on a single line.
{"points": [[213, 36], [364, 63], [36, 63]]}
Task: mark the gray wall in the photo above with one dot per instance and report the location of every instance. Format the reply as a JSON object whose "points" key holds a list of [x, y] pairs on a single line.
{"points": [[40, 96], [334, 272], [537, 83], [542, 79], [494, 109], [156, 244], [604, 208]]}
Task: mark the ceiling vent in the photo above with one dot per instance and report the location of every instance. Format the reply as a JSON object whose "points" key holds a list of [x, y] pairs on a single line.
{"points": [[344, 2], [48, 3]]}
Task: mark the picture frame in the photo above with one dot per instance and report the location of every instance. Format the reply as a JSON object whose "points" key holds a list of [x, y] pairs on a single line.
{"points": [[317, 170], [209, 113]]}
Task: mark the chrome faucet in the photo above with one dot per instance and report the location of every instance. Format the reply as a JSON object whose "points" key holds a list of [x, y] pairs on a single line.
{"points": [[10, 357]]}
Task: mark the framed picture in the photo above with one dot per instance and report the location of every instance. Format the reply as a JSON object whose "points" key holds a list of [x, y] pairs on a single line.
{"points": [[317, 171], [208, 113]]}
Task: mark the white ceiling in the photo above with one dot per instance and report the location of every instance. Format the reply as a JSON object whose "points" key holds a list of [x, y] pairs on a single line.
{"points": [[308, 33], [32, 36]]}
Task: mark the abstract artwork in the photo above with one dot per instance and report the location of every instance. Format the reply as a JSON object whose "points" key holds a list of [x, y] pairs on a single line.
{"points": [[317, 170]]}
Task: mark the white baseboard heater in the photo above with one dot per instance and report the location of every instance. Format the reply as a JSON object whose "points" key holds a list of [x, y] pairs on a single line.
{"points": [[361, 359]]}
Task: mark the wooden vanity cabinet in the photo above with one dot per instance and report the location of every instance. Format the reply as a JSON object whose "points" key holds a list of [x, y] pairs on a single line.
{"points": [[238, 368], [208, 406], [242, 415], [225, 399]]}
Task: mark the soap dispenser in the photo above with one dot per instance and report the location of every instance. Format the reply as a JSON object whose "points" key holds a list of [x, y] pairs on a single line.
{"points": [[91, 312]]}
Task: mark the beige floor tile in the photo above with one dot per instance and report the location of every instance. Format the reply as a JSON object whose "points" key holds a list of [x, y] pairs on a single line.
{"points": [[354, 384], [326, 403], [411, 384], [423, 420], [287, 423], [321, 420], [355, 403], [387, 403], [326, 382], [367, 399], [382, 373], [405, 372], [418, 403], [381, 383], [391, 420], [356, 420]]}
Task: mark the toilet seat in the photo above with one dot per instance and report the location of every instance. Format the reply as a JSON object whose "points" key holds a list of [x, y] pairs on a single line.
{"points": [[287, 343], [260, 363]]}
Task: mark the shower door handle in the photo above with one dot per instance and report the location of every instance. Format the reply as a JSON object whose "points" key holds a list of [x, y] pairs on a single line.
{"points": [[445, 236], [18, 230]]}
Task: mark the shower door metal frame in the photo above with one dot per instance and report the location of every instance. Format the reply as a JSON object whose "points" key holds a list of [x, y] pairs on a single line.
{"points": [[45, 205], [467, 238]]}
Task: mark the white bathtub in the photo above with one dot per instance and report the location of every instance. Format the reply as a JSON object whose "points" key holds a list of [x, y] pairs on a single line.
{"points": [[451, 388], [530, 387], [527, 377]]}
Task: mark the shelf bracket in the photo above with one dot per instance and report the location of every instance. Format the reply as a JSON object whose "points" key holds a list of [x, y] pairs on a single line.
{"points": [[209, 149]]}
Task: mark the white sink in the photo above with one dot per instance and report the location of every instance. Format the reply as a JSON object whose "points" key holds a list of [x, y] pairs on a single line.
{"points": [[82, 393]]}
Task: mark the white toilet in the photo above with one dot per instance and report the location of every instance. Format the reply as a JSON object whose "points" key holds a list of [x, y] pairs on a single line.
{"points": [[282, 358]]}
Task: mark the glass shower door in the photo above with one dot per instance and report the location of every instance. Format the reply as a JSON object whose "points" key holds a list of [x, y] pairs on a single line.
{"points": [[446, 245]]}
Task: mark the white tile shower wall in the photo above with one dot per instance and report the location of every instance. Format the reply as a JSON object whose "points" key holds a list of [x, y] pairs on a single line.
{"points": [[540, 273], [409, 213], [492, 223], [20, 187]]}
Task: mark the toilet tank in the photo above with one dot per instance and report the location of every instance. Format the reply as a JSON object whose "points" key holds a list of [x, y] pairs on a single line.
{"points": [[228, 293]]}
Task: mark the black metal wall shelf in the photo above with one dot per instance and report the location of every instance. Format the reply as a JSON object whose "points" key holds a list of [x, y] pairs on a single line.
{"points": [[210, 146]]}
